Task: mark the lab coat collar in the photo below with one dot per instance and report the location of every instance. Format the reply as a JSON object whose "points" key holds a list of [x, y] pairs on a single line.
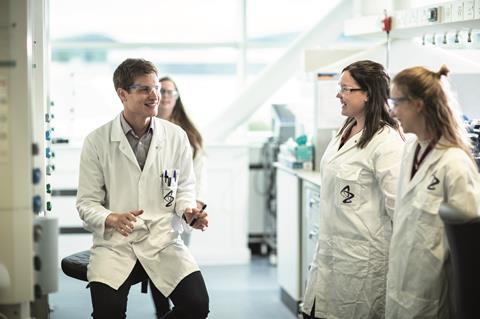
{"points": [[157, 143], [429, 161], [117, 135], [158, 140], [127, 128], [351, 143]]}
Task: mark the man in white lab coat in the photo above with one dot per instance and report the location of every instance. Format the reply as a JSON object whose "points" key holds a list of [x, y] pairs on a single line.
{"points": [[136, 192]]}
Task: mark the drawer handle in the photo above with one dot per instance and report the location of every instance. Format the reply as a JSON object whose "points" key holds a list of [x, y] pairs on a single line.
{"points": [[313, 202], [313, 234]]}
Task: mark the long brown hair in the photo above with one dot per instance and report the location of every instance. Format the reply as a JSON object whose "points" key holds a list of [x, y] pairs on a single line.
{"points": [[180, 117], [371, 78], [420, 83]]}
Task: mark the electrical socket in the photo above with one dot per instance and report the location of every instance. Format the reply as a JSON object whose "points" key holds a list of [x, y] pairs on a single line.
{"points": [[432, 15]]}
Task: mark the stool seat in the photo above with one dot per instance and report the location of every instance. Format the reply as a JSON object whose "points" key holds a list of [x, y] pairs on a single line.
{"points": [[75, 266]]}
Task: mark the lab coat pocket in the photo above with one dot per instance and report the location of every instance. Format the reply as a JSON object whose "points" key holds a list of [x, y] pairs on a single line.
{"points": [[428, 250], [351, 259], [350, 187], [428, 206], [320, 271], [430, 230]]}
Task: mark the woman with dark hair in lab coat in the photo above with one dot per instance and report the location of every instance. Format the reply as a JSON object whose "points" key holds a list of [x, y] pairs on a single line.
{"points": [[437, 166], [359, 172]]}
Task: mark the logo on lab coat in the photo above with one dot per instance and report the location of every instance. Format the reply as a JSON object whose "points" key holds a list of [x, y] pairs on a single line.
{"points": [[435, 181], [345, 192], [169, 199]]}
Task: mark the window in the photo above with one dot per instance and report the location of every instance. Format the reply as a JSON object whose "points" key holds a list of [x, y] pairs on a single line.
{"points": [[196, 43]]}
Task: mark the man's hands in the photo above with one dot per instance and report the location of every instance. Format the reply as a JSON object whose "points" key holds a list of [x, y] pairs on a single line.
{"points": [[198, 217], [123, 222]]}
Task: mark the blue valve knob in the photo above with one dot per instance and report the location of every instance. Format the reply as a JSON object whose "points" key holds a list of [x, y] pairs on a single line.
{"points": [[37, 204], [36, 176], [49, 153]]}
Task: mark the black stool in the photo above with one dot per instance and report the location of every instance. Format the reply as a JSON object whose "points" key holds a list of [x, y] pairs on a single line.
{"points": [[463, 235], [75, 266]]}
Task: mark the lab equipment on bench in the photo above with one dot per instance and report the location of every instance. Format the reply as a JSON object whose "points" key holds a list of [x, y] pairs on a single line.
{"points": [[297, 154]]}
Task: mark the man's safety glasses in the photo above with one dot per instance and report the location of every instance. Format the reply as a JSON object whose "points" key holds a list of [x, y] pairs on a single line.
{"points": [[145, 89]]}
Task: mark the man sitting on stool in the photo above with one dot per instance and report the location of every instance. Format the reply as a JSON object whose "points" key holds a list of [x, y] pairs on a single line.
{"points": [[136, 192]]}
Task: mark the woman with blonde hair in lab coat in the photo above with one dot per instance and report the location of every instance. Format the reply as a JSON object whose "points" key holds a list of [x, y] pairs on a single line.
{"points": [[171, 108], [437, 166], [359, 172]]}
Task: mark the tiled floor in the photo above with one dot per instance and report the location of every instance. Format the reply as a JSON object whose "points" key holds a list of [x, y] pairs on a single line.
{"points": [[236, 292]]}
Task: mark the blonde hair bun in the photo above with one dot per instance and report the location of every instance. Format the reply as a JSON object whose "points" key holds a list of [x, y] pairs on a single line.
{"points": [[443, 71]]}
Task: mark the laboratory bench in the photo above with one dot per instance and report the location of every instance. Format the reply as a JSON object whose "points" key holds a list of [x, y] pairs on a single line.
{"points": [[298, 199]]}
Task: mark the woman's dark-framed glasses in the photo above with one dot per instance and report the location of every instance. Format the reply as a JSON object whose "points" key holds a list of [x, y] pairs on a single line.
{"points": [[348, 90]]}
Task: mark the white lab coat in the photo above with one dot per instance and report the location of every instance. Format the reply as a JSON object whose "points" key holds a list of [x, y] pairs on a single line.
{"points": [[358, 186], [199, 168], [111, 180], [419, 278]]}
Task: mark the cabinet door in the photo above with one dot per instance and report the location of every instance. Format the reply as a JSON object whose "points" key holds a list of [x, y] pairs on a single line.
{"points": [[310, 227], [288, 233]]}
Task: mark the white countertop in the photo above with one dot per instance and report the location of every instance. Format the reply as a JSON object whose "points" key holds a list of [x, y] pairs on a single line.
{"points": [[311, 176]]}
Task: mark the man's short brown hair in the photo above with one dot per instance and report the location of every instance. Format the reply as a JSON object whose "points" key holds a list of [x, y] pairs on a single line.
{"points": [[130, 69]]}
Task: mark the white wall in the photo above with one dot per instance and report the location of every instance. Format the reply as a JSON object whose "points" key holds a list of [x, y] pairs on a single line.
{"points": [[467, 88]]}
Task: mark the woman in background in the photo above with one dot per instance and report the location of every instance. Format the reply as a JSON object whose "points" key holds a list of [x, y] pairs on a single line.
{"points": [[171, 109], [359, 172], [437, 166]]}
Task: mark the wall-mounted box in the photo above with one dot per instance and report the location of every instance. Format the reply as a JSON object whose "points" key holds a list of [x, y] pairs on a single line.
{"points": [[451, 16], [469, 10], [447, 12]]}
